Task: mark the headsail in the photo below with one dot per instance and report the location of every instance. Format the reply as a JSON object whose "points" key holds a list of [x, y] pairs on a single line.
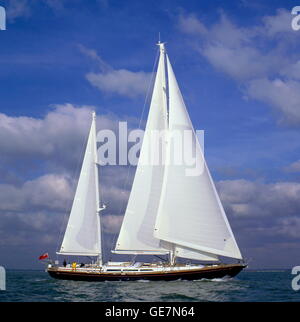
{"points": [[83, 234], [190, 213]]}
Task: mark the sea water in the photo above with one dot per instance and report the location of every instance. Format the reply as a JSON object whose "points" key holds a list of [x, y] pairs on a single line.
{"points": [[248, 286]]}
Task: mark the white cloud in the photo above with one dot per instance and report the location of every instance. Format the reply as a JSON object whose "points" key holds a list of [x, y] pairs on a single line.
{"points": [[244, 198], [240, 65], [289, 227], [261, 58], [122, 82], [264, 216], [119, 81], [190, 24], [293, 167], [291, 71], [92, 54], [284, 96], [17, 8], [278, 24], [50, 151], [23, 8], [50, 191], [56, 138], [42, 136]]}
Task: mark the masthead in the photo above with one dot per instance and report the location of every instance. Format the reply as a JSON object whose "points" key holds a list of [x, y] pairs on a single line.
{"points": [[161, 46]]}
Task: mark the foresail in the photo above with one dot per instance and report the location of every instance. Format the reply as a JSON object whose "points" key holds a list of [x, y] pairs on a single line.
{"points": [[136, 232], [190, 214], [82, 236]]}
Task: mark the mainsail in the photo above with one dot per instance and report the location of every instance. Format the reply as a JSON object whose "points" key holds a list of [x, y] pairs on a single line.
{"points": [[83, 233], [170, 209], [136, 234]]}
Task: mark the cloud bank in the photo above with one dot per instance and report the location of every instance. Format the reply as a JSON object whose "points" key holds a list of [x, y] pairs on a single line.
{"points": [[34, 211]]}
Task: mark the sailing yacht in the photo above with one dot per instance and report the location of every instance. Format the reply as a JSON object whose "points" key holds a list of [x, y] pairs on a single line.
{"points": [[168, 213]]}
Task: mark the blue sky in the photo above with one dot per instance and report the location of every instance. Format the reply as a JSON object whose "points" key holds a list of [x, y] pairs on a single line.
{"points": [[237, 64]]}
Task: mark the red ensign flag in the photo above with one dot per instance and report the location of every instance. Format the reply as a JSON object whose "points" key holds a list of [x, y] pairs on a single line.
{"points": [[44, 256]]}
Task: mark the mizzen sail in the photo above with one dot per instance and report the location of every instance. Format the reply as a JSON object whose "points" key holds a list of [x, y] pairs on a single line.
{"points": [[83, 234]]}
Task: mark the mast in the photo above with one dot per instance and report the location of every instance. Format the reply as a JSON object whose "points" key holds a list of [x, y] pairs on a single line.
{"points": [[97, 193], [162, 50]]}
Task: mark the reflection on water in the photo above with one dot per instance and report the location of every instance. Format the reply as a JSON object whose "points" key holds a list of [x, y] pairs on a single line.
{"points": [[248, 286]]}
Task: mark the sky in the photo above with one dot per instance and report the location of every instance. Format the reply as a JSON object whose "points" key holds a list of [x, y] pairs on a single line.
{"points": [[237, 64]]}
